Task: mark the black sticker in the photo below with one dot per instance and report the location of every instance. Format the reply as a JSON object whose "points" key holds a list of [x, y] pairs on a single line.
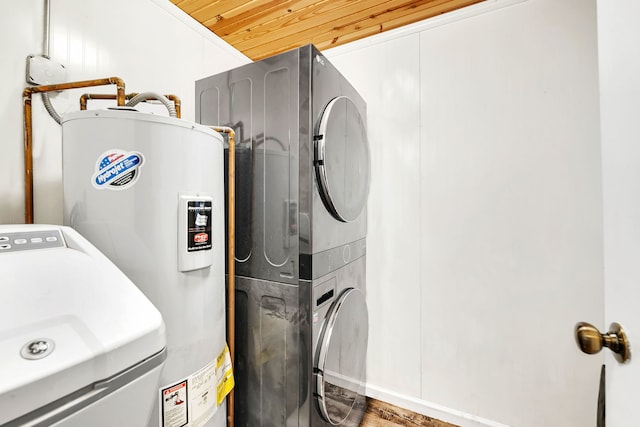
{"points": [[199, 225]]}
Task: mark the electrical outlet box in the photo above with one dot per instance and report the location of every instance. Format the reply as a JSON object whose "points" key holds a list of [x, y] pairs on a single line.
{"points": [[43, 71]]}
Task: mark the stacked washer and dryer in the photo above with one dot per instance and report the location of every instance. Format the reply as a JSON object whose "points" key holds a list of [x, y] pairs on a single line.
{"points": [[302, 182]]}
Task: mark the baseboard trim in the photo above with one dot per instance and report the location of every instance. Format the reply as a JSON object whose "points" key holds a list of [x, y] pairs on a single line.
{"points": [[429, 409]]}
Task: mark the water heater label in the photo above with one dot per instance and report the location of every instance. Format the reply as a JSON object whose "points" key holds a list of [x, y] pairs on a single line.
{"points": [[174, 405], [199, 225], [117, 170], [192, 401]]}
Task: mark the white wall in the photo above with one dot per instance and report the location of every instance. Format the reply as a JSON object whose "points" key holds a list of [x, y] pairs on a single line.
{"points": [[485, 234], [139, 41]]}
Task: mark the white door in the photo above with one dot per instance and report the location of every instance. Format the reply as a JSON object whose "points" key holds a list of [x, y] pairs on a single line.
{"points": [[619, 60]]}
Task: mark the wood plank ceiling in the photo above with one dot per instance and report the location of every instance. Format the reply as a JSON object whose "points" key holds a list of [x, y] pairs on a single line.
{"points": [[262, 28]]}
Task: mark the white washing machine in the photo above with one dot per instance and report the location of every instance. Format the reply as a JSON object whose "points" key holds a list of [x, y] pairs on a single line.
{"points": [[80, 345]]}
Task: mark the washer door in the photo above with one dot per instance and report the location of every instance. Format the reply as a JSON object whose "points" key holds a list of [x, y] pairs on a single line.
{"points": [[342, 159], [340, 370]]}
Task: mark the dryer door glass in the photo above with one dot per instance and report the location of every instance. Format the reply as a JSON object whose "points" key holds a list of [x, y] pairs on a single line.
{"points": [[342, 159], [341, 358]]}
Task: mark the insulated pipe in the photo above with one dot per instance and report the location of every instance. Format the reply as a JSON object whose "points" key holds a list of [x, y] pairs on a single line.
{"points": [[176, 103], [28, 132], [152, 95], [87, 96], [49, 107], [231, 302]]}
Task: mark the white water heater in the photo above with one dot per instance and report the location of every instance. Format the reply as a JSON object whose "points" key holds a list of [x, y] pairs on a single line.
{"points": [[148, 192]]}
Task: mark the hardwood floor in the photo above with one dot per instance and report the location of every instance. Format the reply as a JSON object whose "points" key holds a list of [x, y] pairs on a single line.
{"points": [[381, 414]]}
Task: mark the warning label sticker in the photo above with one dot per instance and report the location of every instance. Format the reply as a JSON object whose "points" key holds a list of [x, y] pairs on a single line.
{"points": [[224, 373], [194, 400], [175, 410]]}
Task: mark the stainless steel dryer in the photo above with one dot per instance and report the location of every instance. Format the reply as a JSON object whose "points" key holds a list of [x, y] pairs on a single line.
{"points": [[302, 168]]}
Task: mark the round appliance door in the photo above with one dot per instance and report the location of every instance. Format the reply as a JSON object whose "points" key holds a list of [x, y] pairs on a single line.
{"points": [[342, 159], [341, 357]]}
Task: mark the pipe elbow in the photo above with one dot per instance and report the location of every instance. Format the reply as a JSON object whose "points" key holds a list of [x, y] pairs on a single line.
{"points": [[224, 129], [120, 98], [83, 100], [116, 81]]}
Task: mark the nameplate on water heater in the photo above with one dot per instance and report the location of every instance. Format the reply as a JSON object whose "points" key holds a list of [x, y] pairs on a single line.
{"points": [[195, 241]]}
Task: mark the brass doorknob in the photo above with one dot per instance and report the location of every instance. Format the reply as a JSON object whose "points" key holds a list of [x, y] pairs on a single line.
{"points": [[591, 341]]}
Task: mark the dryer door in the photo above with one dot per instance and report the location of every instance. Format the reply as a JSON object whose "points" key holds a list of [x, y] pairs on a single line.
{"points": [[342, 352], [342, 159]]}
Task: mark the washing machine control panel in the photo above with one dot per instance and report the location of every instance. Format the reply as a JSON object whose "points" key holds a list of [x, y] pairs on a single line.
{"points": [[30, 240]]}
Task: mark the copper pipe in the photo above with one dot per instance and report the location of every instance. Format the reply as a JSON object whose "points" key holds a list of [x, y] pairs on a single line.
{"points": [[85, 83], [28, 128], [83, 101], [87, 96], [231, 302], [28, 162]]}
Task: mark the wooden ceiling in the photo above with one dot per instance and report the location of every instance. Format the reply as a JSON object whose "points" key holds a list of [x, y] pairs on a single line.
{"points": [[262, 28]]}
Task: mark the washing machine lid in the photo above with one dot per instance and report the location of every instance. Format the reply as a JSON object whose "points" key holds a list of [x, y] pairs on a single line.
{"points": [[342, 354], [342, 163], [70, 318]]}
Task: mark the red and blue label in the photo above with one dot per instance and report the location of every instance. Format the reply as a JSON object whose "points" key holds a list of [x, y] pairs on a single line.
{"points": [[117, 169]]}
